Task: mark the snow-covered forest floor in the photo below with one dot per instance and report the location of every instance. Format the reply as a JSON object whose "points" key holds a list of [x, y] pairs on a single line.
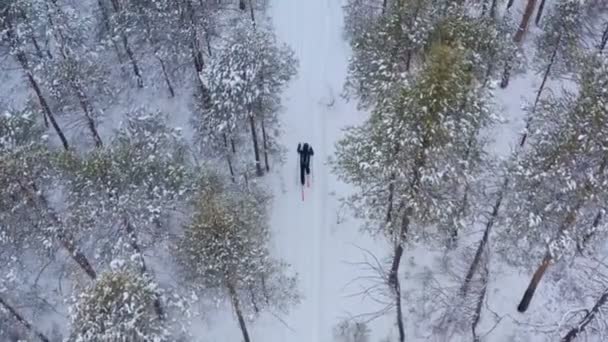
{"points": [[149, 181]]}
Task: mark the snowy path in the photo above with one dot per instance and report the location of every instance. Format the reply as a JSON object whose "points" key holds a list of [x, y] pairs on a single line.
{"points": [[306, 232]]}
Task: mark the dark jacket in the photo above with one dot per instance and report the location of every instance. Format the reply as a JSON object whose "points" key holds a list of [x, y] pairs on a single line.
{"points": [[305, 152]]}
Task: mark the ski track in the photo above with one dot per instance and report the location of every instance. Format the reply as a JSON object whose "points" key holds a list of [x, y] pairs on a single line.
{"points": [[305, 233]]}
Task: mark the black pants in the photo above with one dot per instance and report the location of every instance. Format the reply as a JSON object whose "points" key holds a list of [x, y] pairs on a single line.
{"points": [[304, 170]]}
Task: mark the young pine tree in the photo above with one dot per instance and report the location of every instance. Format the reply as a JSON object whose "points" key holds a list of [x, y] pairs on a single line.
{"points": [[118, 307], [224, 252], [561, 182]]}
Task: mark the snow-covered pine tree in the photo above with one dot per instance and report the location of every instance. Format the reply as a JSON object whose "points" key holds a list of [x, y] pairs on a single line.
{"points": [[75, 75], [121, 24], [123, 196], [383, 53], [118, 307], [29, 221], [561, 182], [20, 26], [558, 48], [411, 159], [244, 80], [485, 39], [224, 251]]}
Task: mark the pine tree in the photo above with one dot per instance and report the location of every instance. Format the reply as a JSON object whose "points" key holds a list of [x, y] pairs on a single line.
{"points": [[118, 307], [20, 24], [560, 183], [28, 219], [424, 145], [558, 48], [224, 252], [129, 189], [245, 80], [384, 52]]}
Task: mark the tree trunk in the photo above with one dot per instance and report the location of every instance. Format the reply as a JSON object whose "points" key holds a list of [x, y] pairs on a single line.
{"points": [[158, 307], [23, 61], [125, 44], [589, 317], [484, 240], [506, 75], [604, 39], [256, 150], [47, 110], [393, 277], [478, 308], [88, 113], [540, 90], [384, 3], [237, 310], [510, 4], [65, 238], [265, 145], [596, 222], [391, 191], [251, 13], [166, 75], [536, 278], [525, 20], [396, 287], [106, 20], [22, 320], [229, 158], [539, 13], [242, 5]]}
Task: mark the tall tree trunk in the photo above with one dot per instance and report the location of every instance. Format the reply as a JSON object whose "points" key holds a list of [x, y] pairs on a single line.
{"points": [[525, 20], [237, 310], [540, 90], [393, 277], [127, 48], [229, 159], [158, 307], [484, 240], [384, 3], [106, 21], [536, 278], [265, 145], [506, 74], [510, 4], [242, 5], [596, 222], [251, 13], [256, 150], [24, 63], [479, 307], [88, 113], [604, 39], [396, 288], [65, 238], [166, 75], [125, 43], [540, 271], [48, 114], [22, 320], [539, 13], [391, 191], [589, 317]]}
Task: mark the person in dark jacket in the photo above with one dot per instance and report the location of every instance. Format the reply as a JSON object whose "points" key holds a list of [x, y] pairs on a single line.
{"points": [[305, 151]]}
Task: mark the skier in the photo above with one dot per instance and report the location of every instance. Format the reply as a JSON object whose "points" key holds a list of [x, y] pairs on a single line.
{"points": [[305, 151]]}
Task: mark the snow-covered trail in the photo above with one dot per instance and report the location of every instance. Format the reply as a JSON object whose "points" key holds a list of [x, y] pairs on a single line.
{"points": [[306, 233]]}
